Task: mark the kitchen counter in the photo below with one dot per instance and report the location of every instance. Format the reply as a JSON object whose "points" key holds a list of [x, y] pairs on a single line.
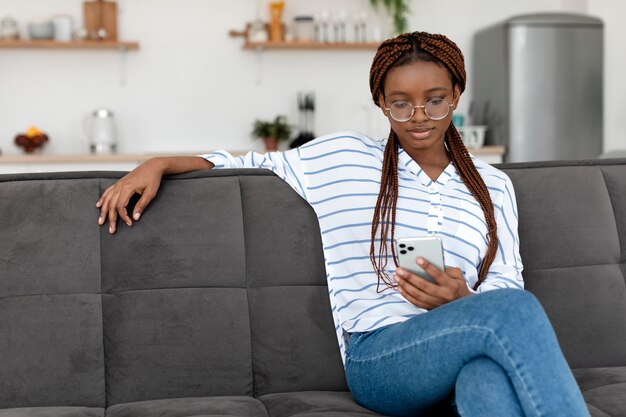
{"points": [[126, 162]]}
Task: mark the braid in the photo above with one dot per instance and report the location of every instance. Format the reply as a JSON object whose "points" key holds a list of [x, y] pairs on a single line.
{"points": [[401, 50], [476, 185], [386, 208]]}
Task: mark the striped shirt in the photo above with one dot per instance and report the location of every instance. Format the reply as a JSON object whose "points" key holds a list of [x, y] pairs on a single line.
{"points": [[339, 175]]}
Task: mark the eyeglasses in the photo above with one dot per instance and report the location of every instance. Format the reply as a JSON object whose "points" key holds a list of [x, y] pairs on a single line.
{"points": [[434, 109]]}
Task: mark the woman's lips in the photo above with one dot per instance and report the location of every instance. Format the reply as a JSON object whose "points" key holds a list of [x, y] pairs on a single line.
{"points": [[420, 132]]}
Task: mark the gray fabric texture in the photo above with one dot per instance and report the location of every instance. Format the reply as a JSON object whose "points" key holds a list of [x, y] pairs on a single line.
{"points": [[604, 390], [191, 236], [48, 244], [188, 407], [52, 412], [318, 403], [292, 347], [50, 309], [288, 297], [168, 343]]}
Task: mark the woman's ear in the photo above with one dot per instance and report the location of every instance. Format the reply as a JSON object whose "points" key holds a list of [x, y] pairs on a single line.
{"points": [[381, 103], [457, 95]]}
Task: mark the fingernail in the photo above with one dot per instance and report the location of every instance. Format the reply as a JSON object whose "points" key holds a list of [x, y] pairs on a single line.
{"points": [[100, 219], [420, 261], [111, 229], [136, 215]]}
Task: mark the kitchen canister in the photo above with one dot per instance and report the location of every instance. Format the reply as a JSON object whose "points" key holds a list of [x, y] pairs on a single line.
{"points": [[9, 29], [304, 28], [63, 27]]}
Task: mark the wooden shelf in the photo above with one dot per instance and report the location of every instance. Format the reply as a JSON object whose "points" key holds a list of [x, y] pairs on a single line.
{"points": [[310, 45], [50, 44]]}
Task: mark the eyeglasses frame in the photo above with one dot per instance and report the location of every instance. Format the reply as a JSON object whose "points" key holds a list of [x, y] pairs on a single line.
{"points": [[423, 107]]}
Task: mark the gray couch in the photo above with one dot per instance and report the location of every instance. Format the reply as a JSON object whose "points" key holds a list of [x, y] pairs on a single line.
{"points": [[215, 303]]}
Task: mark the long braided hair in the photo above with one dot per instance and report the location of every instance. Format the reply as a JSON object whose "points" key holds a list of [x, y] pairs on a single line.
{"points": [[401, 50]]}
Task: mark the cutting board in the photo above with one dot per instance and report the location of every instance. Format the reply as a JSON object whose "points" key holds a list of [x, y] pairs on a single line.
{"points": [[100, 14]]}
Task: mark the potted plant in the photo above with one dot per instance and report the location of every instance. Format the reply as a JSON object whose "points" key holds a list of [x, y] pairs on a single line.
{"points": [[397, 9], [272, 131]]}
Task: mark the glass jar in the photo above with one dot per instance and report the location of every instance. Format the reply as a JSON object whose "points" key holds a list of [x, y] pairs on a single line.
{"points": [[9, 29], [304, 28]]}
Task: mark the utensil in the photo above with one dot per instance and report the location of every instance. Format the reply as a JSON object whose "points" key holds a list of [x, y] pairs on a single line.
{"points": [[306, 112]]}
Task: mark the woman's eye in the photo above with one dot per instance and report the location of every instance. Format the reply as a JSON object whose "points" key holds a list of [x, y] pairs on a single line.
{"points": [[435, 101], [400, 105]]}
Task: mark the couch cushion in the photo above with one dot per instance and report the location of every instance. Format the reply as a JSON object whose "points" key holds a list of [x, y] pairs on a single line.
{"points": [[53, 245], [168, 343], [51, 344], [604, 390], [314, 404], [569, 218], [51, 347], [615, 178], [175, 306], [52, 412], [294, 347], [188, 407], [191, 236]]}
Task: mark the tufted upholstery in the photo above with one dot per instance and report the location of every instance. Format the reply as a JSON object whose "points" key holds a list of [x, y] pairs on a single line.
{"points": [[215, 303]]}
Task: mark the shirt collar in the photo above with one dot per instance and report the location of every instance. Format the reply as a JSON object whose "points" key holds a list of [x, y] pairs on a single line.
{"points": [[406, 162]]}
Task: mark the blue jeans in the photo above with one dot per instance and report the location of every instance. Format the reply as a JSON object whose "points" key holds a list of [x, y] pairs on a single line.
{"points": [[492, 354]]}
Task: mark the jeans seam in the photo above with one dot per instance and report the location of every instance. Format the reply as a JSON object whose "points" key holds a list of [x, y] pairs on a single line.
{"points": [[451, 331]]}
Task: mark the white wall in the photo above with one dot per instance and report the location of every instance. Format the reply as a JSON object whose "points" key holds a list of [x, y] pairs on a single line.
{"points": [[191, 88]]}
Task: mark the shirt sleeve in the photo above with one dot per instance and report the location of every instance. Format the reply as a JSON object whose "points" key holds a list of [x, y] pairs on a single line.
{"points": [[506, 269], [287, 165]]}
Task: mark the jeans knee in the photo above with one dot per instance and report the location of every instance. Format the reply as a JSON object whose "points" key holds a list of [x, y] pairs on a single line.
{"points": [[519, 317], [520, 302]]}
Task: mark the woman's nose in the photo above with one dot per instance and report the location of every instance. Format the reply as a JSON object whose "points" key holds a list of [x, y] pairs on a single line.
{"points": [[420, 114]]}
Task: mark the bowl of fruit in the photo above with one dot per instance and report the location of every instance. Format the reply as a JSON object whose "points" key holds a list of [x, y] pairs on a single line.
{"points": [[31, 140]]}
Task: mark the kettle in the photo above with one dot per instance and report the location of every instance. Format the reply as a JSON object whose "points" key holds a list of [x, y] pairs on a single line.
{"points": [[100, 130]]}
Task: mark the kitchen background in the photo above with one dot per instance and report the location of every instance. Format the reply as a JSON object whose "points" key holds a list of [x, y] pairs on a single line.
{"points": [[191, 88]]}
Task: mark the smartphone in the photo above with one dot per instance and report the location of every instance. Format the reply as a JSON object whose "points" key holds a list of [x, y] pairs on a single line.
{"points": [[428, 247]]}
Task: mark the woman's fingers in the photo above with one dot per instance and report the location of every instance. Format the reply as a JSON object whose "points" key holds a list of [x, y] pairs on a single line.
{"points": [[146, 198], [416, 293], [423, 293]]}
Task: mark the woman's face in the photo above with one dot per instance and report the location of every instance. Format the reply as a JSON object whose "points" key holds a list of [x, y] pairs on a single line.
{"points": [[417, 83]]}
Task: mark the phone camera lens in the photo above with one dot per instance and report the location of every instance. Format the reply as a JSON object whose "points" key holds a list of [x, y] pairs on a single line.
{"points": [[410, 248], [402, 245], [403, 251]]}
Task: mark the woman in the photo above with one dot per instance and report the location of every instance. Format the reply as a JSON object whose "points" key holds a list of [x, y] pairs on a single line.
{"points": [[411, 346]]}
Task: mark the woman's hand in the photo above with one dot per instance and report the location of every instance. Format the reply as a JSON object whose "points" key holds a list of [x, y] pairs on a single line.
{"points": [[144, 180], [450, 285]]}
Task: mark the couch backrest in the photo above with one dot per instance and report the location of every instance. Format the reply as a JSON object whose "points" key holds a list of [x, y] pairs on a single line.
{"points": [[220, 289], [572, 227]]}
